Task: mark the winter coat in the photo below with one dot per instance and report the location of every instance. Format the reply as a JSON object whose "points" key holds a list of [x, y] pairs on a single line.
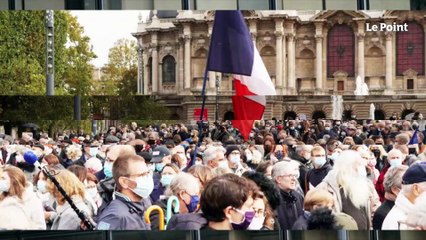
{"points": [[398, 213], [330, 184], [13, 214], [187, 221], [34, 208], [290, 209], [67, 218]]}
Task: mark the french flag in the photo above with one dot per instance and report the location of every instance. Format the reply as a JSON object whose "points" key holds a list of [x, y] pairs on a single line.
{"points": [[232, 51]]}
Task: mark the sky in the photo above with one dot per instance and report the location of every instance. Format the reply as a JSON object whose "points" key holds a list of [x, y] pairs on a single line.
{"points": [[105, 27]]}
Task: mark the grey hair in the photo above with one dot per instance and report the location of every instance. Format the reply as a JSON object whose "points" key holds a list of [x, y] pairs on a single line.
{"points": [[393, 177], [210, 153], [280, 168], [182, 182]]}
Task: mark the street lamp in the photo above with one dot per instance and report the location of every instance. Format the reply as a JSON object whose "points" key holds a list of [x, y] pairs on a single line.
{"points": [[217, 98], [50, 53]]}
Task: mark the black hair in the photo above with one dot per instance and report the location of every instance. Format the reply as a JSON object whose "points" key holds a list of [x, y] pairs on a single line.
{"points": [[266, 186]]}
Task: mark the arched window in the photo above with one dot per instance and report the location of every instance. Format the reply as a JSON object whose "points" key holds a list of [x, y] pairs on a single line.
{"points": [[149, 70], [290, 115], [318, 114], [410, 49], [340, 50], [169, 69], [379, 115]]}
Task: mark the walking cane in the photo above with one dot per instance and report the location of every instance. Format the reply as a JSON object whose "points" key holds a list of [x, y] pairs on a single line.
{"points": [[160, 213], [170, 207]]}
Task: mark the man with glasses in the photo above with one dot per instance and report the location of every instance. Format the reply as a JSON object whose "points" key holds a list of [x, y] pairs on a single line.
{"points": [[134, 184], [285, 175]]}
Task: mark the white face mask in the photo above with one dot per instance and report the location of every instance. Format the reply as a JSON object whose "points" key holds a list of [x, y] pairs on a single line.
{"points": [[4, 186], [223, 164], [249, 156], [256, 223], [144, 186], [182, 155], [91, 192]]}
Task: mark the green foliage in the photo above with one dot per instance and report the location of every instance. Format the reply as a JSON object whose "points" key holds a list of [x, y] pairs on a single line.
{"points": [[23, 54]]}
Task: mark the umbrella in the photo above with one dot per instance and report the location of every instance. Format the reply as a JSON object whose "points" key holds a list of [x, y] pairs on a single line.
{"points": [[160, 217], [30, 125]]}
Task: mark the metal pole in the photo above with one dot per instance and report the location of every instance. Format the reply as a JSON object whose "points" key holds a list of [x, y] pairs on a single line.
{"points": [[342, 235], [50, 54], [217, 99], [77, 108]]}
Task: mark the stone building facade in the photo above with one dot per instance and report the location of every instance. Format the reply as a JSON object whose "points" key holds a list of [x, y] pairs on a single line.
{"points": [[307, 53]]}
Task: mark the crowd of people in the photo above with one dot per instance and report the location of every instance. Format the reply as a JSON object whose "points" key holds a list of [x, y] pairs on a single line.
{"points": [[295, 174]]}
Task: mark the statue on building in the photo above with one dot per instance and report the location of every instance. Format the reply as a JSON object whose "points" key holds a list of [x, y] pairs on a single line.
{"points": [[337, 105], [361, 87]]}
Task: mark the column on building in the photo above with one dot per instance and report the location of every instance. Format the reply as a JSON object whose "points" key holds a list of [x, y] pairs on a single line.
{"points": [[318, 60], [181, 68], [279, 31], [187, 38], [389, 60], [212, 75], [361, 51], [253, 30], [291, 63], [160, 77], [145, 72], [154, 46]]}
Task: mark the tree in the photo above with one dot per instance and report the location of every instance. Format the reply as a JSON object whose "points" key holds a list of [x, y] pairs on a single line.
{"points": [[120, 73], [22, 68], [23, 54]]}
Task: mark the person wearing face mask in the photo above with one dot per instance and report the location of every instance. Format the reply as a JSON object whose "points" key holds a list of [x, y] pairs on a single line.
{"points": [[160, 157], [134, 184], [394, 159], [92, 195], [302, 155], [320, 170], [392, 183], [233, 155], [230, 207], [413, 186], [353, 193], [107, 185], [186, 188]]}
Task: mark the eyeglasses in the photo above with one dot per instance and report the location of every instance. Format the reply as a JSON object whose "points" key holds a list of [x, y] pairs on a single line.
{"points": [[144, 174], [291, 175], [259, 212]]}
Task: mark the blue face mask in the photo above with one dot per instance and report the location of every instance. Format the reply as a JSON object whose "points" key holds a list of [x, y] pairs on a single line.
{"points": [[41, 186], [192, 206], [166, 180], [108, 169], [279, 155], [159, 167]]}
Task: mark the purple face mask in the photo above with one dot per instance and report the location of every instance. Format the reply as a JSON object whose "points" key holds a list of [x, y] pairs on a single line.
{"points": [[243, 225]]}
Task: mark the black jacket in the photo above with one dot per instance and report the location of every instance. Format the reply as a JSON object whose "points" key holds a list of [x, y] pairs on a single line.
{"points": [[187, 221], [290, 209], [315, 176]]}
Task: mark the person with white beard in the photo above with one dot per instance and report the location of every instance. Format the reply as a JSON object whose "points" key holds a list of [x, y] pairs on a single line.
{"points": [[353, 193]]}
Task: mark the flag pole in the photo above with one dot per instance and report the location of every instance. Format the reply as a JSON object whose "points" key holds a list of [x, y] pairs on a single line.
{"points": [[200, 124]]}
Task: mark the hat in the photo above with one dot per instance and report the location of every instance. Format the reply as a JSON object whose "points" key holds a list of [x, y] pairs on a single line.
{"points": [[112, 139], [416, 173], [67, 140], [39, 146], [231, 148], [146, 155], [158, 154]]}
